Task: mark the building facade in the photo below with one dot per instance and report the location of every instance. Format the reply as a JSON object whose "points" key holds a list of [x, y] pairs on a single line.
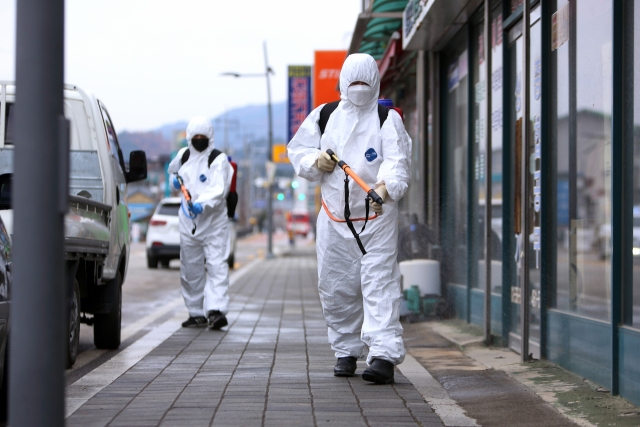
{"points": [[526, 168]]}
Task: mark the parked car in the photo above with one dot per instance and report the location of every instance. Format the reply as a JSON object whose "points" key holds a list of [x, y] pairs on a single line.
{"points": [[97, 226], [298, 222], [163, 235]]}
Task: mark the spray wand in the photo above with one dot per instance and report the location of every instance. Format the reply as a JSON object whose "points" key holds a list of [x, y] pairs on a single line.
{"points": [[187, 197], [371, 192]]}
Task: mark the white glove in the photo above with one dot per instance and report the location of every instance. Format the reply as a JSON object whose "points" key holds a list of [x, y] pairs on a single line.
{"points": [[382, 192], [325, 163]]}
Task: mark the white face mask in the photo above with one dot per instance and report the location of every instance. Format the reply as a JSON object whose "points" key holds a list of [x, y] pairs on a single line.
{"points": [[359, 94]]}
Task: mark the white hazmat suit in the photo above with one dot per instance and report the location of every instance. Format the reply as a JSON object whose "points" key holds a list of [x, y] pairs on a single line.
{"points": [[360, 295], [204, 287]]}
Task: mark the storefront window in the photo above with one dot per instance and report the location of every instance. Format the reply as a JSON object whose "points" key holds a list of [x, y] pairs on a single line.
{"points": [[535, 165], [482, 86], [515, 125], [496, 148], [455, 167], [533, 144], [414, 203], [582, 134], [478, 153], [636, 170]]}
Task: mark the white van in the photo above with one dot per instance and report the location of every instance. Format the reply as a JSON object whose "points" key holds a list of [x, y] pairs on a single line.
{"points": [[97, 227]]}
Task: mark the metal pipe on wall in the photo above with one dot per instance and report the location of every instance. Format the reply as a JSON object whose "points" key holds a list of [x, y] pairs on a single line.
{"points": [[525, 291], [36, 375], [433, 141], [421, 95]]}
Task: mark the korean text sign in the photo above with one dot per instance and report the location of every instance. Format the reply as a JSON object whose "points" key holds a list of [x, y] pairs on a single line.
{"points": [[299, 96]]}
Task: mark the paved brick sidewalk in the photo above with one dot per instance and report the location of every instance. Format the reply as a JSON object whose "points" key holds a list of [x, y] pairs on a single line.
{"points": [[273, 367]]}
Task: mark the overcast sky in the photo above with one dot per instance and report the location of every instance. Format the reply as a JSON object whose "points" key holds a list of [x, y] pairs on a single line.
{"points": [[157, 61]]}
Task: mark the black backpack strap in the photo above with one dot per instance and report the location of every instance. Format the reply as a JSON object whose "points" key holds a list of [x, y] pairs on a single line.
{"points": [[212, 156], [185, 157], [383, 112], [325, 112], [347, 215]]}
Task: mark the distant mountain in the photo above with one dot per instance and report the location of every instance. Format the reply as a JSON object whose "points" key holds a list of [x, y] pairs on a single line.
{"points": [[153, 143], [232, 130]]}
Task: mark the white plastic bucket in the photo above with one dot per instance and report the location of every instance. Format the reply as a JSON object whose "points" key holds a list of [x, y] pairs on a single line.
{"points": [[425, 273]]}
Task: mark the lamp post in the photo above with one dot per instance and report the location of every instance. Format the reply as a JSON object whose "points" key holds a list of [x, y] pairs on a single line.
{"points": [[36, 359], [267, 71]]}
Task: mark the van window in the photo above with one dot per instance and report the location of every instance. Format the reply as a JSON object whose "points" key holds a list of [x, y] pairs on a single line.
{"points": [[9, 125], [112, 138]]}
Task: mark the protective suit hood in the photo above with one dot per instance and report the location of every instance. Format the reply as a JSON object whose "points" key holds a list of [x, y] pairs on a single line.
{"points": [[360, 67], [200, 126]]}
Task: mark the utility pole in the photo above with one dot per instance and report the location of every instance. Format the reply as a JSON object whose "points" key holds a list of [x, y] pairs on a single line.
{"points": [[36, 359], [270, 157]]}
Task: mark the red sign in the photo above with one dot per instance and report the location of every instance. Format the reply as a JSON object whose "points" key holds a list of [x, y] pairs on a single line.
{"points": [[326, 74]]}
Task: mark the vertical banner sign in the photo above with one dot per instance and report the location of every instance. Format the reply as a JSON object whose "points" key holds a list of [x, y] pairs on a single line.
{"points": [[326, 73], [299, 96]]}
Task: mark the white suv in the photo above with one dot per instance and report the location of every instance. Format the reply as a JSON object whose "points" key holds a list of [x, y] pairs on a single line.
{"points": [[163, 236]]}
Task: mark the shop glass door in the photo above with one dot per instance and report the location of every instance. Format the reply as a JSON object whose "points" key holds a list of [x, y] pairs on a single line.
{"points": [[533, 177]]}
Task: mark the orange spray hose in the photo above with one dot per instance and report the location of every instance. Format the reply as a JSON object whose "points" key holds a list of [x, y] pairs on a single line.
{"points": [[374, 196]]}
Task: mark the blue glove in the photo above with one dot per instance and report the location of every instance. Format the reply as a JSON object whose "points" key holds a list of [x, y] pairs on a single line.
{"points": [[196, 209], [176, 183]]}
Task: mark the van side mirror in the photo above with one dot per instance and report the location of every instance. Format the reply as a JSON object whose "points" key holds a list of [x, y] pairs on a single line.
{"points": [[137, 166], [5, 191]]}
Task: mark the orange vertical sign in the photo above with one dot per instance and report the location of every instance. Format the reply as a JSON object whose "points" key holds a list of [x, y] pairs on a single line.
{"points": [[326, 73]]}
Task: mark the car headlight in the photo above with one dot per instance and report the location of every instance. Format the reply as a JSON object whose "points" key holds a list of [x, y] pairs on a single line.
{"points": [[636, 251]]}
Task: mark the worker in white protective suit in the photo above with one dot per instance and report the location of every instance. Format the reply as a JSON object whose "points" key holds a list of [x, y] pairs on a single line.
{"points": [[204, 233], [360, 294]]}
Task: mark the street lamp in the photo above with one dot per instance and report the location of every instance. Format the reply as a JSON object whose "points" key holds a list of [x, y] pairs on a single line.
{"points": [[266, 73]]}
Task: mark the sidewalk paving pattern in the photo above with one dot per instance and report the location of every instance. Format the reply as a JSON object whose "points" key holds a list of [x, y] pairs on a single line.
{"points": [[272, 367]]}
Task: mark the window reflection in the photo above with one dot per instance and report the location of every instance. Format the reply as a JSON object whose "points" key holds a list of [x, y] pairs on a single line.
{"points": [[636, 173], [583, 138], [455, 159]]}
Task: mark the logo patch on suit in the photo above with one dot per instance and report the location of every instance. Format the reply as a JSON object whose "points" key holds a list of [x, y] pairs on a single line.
{"points": [[371, 154], [203, 178]]}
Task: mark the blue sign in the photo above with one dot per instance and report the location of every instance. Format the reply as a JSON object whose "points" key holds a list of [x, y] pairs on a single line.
{"points": [[563, 202], [299, 97], [371, 154]]}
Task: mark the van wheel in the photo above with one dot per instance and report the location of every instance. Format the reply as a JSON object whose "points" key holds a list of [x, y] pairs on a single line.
{"points": [[231, 260], [165, 262], [106, 326], [152, 262], [73, 331]]}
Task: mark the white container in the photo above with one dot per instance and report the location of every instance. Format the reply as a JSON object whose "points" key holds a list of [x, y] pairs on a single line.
{"points": [[425, 273]]}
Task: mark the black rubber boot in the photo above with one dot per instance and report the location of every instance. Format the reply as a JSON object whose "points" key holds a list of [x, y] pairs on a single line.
{"points": [[217, 320], [380, 372], [195, 322], [345, 367]]}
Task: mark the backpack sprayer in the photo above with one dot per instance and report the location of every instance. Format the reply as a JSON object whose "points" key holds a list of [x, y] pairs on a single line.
{"points": [[371, 195], [187, 197]]}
